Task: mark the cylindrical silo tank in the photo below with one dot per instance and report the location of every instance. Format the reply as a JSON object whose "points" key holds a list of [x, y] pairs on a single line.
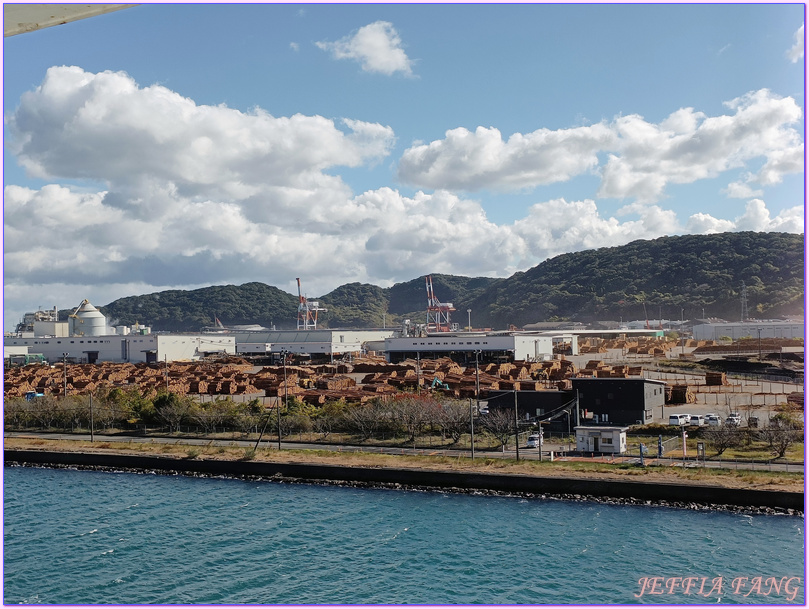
{"points": [[88, 321]]}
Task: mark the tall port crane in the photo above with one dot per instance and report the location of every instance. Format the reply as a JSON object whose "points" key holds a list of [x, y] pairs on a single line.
{"points": [[437, 311], [307, 310]]}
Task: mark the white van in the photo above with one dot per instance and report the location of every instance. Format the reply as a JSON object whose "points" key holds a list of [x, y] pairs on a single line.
{"points": [[533, 441], [679, 419], [697, 419]]}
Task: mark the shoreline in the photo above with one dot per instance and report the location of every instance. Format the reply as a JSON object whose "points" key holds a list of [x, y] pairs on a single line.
{"points": [[664, 494]]}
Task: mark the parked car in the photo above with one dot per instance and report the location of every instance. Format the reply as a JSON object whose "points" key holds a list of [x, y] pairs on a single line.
{"points": [[533, 441], [714, 420], [734, 418], [679, 419], [697, 419]]}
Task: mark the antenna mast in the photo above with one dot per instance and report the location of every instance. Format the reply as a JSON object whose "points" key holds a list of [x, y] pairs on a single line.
{"points": [[745, 312]]}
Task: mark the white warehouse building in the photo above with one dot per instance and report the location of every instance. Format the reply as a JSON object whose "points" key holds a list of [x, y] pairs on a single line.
{"points": [[514, 346], [133, 348], [322, 342], [768, 328]]}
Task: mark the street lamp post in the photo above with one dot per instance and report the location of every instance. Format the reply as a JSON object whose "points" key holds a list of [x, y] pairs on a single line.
{"points": [[64, 369], [516, 428]]}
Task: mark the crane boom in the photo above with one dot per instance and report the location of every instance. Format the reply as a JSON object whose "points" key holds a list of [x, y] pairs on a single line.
{"points": [[307, 310], [438, 318]]}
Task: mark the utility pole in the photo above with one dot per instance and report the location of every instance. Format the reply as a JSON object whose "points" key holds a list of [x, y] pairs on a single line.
{"points": [[91, 418], [516, 427], [541, 440], [472, 426], [64, 369], [286, 396], [477, 380], [418, 373]]}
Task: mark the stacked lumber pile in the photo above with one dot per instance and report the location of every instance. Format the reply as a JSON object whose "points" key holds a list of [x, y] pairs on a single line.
{"points": [[680, 394], [335, 382], [795, 400], [716, 378], [384, 367]]}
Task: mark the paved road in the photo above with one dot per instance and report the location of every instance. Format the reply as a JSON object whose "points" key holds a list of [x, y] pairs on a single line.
{"points": [[559, 451]]}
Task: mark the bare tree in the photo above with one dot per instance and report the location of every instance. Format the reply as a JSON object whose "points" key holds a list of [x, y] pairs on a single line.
{"points": [[15, 413], [365, 419], [500, 423], [412, 413], [44, 410], [782, 432], [724, 437], [75, 410], [453, 418]]}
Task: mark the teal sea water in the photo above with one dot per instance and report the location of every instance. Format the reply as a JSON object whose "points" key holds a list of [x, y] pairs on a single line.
{"points": [[81, 537]]}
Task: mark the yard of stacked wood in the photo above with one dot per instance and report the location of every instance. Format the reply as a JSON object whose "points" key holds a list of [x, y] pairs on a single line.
{"points": [[363, 379], [359, 381]]}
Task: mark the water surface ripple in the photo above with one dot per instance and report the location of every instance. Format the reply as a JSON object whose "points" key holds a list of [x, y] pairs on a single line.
{"points": [[82, 537]]}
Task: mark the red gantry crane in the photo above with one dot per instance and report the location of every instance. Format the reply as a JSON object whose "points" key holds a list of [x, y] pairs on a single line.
{"points": [[307, 310], [437, 311]]}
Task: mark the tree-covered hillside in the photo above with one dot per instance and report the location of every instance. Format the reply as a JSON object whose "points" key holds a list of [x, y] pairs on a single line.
{"points": [[354, 305], [672, 276], [191, 310]]}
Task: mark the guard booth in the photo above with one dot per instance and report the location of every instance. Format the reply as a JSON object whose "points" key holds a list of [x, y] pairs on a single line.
{"points": [[601, 439]]}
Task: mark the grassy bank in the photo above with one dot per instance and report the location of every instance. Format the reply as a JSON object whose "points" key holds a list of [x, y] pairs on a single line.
{"points": [[762, 480]]}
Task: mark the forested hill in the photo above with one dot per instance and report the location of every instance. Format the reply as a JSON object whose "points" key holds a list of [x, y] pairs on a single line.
{"points": [[690, 272], [671, 275]]}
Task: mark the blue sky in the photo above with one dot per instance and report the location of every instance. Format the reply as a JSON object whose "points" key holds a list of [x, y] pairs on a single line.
{"points": [[178, 146]]}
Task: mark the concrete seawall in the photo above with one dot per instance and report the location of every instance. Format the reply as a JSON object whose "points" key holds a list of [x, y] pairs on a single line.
{"points": [[506, 483]]}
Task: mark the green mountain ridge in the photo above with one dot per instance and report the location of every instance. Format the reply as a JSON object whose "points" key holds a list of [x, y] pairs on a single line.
{"points": [[671, 276]]}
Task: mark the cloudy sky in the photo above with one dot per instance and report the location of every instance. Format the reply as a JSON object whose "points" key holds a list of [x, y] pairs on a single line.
{"points": [[181, 146]]}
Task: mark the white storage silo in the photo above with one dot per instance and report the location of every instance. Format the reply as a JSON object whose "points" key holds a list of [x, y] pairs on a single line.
{"points": [[86, 320]]}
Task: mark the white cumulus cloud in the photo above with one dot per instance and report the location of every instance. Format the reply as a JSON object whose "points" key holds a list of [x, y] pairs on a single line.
{"points": [[795, 53], [469, 161], [376, 46], [641, 158], [756, 217]]}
